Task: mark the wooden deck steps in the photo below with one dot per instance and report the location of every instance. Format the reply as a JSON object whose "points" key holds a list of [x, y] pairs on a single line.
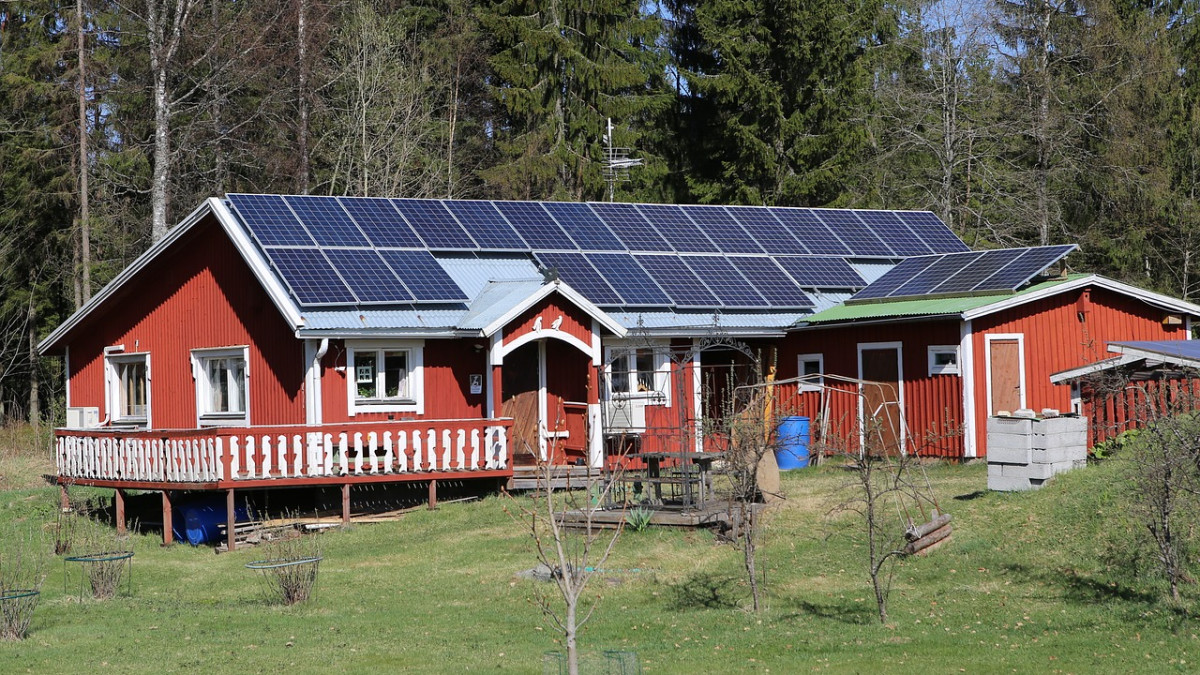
{"points": [[561, 477]]}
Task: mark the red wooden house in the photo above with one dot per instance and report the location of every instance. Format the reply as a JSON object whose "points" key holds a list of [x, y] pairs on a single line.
{"points": [[273, 341]]}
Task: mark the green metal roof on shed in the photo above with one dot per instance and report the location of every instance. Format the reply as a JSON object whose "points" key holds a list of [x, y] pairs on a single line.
{"points": [[950, 306]]}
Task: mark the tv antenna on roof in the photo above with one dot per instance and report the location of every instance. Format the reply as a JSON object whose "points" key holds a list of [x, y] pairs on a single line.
{"points": [[617, 162]]}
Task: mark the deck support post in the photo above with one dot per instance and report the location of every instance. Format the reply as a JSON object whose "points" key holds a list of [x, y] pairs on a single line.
{"points": [[345, 503], [64, 500], [119, 507], [432, 495], [168, 530], [230, 520]]}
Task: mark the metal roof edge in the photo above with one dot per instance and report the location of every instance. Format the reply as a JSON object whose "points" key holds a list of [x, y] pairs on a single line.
{"points": [[385, 333], [1149, 297], [174, 234], [1083, 371], [257, 263]]}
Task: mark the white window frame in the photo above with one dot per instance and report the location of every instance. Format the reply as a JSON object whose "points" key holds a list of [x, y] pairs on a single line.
{"points": [[806, 358], [210, 418], [946, 368], [660, 395], [414, 403], [112, 389]]}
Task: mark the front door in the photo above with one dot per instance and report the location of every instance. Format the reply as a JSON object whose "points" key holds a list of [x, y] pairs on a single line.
{"points": [[1004, 375], [881, 413], [519, 391]]}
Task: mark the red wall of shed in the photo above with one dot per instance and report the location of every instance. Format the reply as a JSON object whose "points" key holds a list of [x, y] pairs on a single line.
{"points": [[199, 293], [575, 322], [933, 408], [1062, 332]]}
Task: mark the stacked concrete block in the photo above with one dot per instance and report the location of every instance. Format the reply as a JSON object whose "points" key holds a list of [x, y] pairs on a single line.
{"points": [[1023, 453]]}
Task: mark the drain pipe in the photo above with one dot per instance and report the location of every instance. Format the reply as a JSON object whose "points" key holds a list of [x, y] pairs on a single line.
{"points": [[316, 414]]}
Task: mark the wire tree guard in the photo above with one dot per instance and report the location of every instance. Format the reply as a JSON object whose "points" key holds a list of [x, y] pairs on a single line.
{"points": [[17, 605], [104, 571], [292, 580]]}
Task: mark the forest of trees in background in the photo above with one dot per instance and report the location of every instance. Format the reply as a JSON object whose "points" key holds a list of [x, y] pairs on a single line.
{"points": [[1016, 121]]}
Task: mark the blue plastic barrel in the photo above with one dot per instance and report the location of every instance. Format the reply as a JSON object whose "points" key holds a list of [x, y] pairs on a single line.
{"points": [[199, 521], [791, 450]]}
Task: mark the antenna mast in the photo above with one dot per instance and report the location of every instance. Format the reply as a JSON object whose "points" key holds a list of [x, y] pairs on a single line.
{"points": [[617, 162]]}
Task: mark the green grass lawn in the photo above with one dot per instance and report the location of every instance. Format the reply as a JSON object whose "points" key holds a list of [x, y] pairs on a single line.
{"points": [[1029, 582]]}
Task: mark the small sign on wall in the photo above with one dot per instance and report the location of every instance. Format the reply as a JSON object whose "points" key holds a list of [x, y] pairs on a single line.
{"points": [[364, 374], [476, 384]]}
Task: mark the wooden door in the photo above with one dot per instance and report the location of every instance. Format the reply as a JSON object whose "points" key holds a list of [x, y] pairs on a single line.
{"points": [[519, 384], [881, 414], [1004, 374]]}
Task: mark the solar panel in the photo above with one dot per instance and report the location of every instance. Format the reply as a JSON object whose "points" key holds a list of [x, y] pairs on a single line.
{"points": [[367, 275], [933, 276], [583, 226], [630, 227], [685, 289], [434, 224], [1024, 268], [767, 230], [486, 226], [771, 282], [325, 220], [535, 225], [380, 221], [628, 279], [896, 277], [853, 232], [578, 273], [423, 276], [725, 281], [978, 271], [310, 276], [821, 272], [679, 231], [888, 227], [270, 220], [811, 231], [932, 231], [722, 229]]}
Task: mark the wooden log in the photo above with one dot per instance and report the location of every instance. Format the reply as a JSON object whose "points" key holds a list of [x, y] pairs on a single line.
{"points": [[917, 531], [928, 540]]}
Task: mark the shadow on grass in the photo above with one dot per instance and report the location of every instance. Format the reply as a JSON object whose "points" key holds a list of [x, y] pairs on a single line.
{"points": [[844, 611], [1084, 589], [970, 496], [704, 591]]}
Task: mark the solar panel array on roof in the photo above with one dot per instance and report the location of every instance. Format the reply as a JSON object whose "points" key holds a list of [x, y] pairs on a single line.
{"points": [[972, 272], [752, 257]]}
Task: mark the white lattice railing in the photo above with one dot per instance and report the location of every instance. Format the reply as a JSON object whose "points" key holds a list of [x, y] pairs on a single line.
{"points": [[208, 455]]}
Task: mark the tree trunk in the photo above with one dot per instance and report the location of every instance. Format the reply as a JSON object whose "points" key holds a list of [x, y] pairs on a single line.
{"points": [[35, 410], [85, 236], [302, 94]]}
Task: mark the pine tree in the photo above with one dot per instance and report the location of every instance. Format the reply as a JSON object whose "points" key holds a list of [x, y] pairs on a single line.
{"points": [[561, 69]]}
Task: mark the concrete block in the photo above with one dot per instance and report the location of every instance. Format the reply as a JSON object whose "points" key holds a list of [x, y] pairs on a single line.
{"points": [[1079, 463], [1003, 484], [1060, 425], [1034, 471], [1009, 425], [1056, 440], [995, 470], [1049, 455], [1013, 441], [1004, 455]]}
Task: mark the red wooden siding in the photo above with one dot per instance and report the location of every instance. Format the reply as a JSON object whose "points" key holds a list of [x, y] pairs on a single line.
{"points": [[1062, 332], [575, 322], [198, 294], [932, 404], [448, 365]]}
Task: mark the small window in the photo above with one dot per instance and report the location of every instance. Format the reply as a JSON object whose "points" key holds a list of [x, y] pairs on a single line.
{"points": [[221, 386], [384, 378], [128, 383], [811, 364], [638, 372], [943, 360]]}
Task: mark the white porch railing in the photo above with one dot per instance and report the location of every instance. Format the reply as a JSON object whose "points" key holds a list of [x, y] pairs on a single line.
{"points": [[256, 453]]}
